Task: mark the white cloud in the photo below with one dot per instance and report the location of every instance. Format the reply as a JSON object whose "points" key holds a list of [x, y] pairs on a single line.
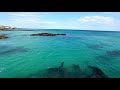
{"points": [[23, 14], [95, 23], [96, 19], [107, 12], [27, 18], [39, 20]]}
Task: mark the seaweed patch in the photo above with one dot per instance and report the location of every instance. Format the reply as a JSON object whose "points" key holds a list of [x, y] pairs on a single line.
{"points": [[108, 57], [96, 46], [76, 72], [103, 57], [12, 50], [113, 53], [96, 73], [58, 72]]}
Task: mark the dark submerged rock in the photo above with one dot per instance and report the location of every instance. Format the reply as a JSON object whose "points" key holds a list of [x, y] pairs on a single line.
{"points": [[113, 53], [108, 56], [75, 67], [3, 37], [57, 69], [77, 72], [58, 72], [4, 46], [96, 73], [96, 46], [46, 34], [13, 51], [103, 58], [61, 66]]}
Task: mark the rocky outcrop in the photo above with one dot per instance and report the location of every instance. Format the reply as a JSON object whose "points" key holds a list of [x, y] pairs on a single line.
{"points": [[57, 69], [46, 34], [3, 37], [97, 73]]}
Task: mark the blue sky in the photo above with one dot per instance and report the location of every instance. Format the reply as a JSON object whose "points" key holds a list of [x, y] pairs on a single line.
{"points": [[62, 20]]}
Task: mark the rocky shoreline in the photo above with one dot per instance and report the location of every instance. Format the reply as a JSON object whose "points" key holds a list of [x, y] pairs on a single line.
{"points": [[46, 34]]}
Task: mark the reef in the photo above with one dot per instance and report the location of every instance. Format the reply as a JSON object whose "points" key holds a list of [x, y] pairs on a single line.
{"points": [[3, 37], [108, 56], [74, 71], [46, 34], [76, 67], [58, 72], [77, 72], [113, 53], [97, 73], [12, 50], [96, 46], [103, 57], [3, 47]]}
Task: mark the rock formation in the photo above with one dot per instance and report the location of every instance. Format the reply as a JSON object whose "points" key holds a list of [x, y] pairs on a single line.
{"points": [[46, 34], [97, 73], [3, 37], [58, 72], [74, 71]]}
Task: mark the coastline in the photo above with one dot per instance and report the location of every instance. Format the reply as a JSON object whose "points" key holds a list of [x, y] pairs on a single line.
{"points": [[11, 28], [22, 29], [7, 28]]}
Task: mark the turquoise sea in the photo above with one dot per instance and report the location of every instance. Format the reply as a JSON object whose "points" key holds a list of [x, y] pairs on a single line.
{"points": [[24, 56]]}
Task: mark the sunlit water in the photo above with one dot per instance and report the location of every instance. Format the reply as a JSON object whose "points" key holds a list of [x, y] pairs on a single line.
{"points": [[23, 55]]}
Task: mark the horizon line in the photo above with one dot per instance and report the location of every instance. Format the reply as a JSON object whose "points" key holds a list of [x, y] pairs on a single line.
{"points": [[71, 29]]}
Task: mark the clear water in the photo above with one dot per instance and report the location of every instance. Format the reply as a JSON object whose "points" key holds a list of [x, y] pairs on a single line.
{"points": [[22, 55]]}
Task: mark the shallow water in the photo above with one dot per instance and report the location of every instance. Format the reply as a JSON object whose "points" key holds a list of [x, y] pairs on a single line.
{"points": [[23, 55]]}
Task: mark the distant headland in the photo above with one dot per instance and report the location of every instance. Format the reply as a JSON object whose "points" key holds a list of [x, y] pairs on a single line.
{"points": [[3, 28]]}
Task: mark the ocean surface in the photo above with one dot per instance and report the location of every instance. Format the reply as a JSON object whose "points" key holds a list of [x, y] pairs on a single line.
{"points": [[24, 56]]}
